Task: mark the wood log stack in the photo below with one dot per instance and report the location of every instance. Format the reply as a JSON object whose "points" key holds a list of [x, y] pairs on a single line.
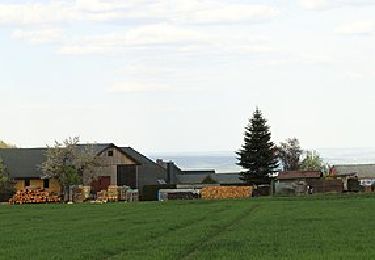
{"points": [[102, 196], [226, 192], [123, 193], [113, 193], [34, 196], [368, 189], [117, 193], [132, 195], [78, 194]]}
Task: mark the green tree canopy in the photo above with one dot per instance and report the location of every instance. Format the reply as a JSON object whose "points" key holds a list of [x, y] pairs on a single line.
{"points": [[290, 152], [312, 162], [257, 154]]}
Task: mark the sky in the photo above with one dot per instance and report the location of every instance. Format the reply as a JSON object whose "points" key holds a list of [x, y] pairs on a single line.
{"points": [[185, 75]]}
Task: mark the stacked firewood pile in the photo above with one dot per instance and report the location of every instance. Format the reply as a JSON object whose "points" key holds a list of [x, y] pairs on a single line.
{"points": [[117, 193], [226, 192], [34, 196], [78, 194], [102, 196], [113, 193]]}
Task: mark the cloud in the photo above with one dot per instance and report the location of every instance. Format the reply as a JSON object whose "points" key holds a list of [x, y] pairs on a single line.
{"points": [[355, 75], [314, 4], [51, 12], [299, 59], [164, 37], [359, 28], [27, 14], [138, 87], [148, 24], [136, 38], [227, 13], [192, 11], [318, 5], [46, 35]]}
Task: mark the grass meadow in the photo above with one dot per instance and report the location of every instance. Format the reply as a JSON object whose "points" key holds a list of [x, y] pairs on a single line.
{"points": [[266, 228]]}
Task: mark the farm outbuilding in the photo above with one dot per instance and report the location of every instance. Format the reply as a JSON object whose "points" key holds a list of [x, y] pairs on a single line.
{"points": [[124, 166], [295, 182], [23, 165], [364, 172], [293, 176]]}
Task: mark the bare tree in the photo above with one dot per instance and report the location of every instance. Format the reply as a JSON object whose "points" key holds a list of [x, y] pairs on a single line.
{"points": [[72, 163]]}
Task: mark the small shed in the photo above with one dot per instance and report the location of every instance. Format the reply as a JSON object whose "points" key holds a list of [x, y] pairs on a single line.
{"points": [[298, 176]]}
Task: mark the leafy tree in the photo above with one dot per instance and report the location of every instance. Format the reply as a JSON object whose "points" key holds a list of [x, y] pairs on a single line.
{"points": [[72, 163], [6, 185], [257, 154], [290, 152], [312, 162], [209, 180]]}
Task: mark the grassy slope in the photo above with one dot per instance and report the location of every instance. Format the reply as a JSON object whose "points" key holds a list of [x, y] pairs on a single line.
{"points": [[266, 228]]}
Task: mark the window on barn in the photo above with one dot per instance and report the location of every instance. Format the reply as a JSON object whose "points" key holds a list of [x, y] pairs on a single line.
{"points": [[27, 182], [110, 153], [46, 183]]}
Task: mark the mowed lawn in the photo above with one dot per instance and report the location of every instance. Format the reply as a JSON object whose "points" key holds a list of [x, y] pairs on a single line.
{"points": [[333, 228]]}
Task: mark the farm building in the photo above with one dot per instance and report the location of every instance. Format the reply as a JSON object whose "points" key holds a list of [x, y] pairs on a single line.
{"points": [[300, 182], [364, 172], [124, 166], [192, 177], [297, 176]]}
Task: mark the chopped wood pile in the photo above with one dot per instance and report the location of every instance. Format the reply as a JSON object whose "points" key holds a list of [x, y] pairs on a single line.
{"points": [[113, 193], [226, 192], [117, 193], [368, 189], [102, 196], [33, 196], [78, 194]]}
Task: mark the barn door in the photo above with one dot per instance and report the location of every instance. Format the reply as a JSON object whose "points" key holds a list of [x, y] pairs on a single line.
{"points": [[127, 175], [101, 183]]}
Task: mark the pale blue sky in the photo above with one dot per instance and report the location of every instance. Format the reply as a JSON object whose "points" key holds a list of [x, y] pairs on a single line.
{"points": [[186, 75]]}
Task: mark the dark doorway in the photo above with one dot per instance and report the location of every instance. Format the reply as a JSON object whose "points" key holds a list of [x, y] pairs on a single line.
{"points": [[127, 175]]}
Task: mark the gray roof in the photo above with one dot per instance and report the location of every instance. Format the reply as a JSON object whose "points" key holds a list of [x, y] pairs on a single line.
{"points": [[138, 156], [23, 162], [362, 170], [221, 178], [26, 162], [198, 172]]}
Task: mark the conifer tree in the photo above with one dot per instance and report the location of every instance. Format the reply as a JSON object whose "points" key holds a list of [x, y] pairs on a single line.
{"points": [[257, 154]]}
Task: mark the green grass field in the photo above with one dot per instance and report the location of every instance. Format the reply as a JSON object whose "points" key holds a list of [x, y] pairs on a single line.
{"points": [[333, 228]]}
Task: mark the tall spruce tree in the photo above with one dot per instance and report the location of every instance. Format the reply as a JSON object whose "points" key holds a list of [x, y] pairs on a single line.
{"points": [[257, 154]]}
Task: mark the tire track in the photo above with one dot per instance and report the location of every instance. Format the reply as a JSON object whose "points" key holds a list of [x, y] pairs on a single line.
{"points": [[201, 244], [169, 230]]}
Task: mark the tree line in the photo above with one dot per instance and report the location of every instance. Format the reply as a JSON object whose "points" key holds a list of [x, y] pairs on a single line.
{"points": [[260, 157]]}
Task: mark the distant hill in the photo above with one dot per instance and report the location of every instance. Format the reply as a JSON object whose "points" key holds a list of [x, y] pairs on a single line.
{"points": [[226, 161]]}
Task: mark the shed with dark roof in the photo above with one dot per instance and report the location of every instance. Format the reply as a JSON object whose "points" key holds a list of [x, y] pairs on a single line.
{"points": [[299, 175], [363, 171]]}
